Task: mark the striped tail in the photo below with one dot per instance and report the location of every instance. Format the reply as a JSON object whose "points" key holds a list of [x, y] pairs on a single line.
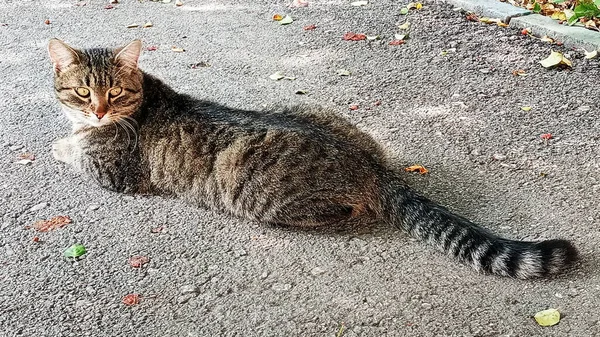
{"points": [[472, 244]]}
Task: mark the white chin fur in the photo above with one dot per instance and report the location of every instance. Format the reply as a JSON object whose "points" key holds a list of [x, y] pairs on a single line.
{"points": [[79, 120]]}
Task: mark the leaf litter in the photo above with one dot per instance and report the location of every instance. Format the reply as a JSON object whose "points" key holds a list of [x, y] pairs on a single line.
{"points": [[75, 251], [51, 224], [416, 168]]}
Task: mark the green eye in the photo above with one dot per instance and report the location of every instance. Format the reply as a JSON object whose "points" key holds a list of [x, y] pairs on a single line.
{"points": [[114, 92], [83, 92]]}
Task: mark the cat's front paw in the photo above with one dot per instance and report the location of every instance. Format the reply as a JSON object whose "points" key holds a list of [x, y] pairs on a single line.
{"points": [[61, 150]]}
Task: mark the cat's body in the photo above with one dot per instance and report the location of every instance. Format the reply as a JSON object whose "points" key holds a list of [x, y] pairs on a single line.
{"points": [[298, 166]]}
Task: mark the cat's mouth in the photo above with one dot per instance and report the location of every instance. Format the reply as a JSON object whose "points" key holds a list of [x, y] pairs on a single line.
{"points": [[88, 118]]}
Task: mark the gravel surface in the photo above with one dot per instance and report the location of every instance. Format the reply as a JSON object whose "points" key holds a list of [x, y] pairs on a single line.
{"points": [[448, 100]]}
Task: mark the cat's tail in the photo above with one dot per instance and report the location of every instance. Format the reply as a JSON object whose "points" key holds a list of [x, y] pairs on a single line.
{"points": [[470, 243]]}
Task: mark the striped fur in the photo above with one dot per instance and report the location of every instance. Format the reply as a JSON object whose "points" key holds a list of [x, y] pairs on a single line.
{"points": [[300, 166]]}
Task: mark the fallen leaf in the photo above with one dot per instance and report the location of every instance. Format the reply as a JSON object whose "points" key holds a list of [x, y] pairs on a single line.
{"points": [[309, 27], [502, 24], [405, 26], [555, 59], [277, 17], [359, 3], [547, 39], [519, 72], [178, 3], [299, 3], [36, 239], [400, 36], [414, 5], [525, 31], [354, 37], [300, 92], [396, 42], [590, 55], [277, 76], [151, 48], [137, 261], [377, 103], [343, 72], [159, 229], [286, 20], [147, 25], [133, 25], [52, 224], [373, 37], [200, 64], [547, 317], [47, 21], [526, 108], [472, 17], [131, 299], [416, 168], [404, 11], [75, 251], [546, 136], [177, 49], [353, 107], [109, 7]]}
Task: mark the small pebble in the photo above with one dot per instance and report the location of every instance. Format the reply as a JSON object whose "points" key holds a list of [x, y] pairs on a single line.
{"points": [[93, 207], [584, 108], [239, 252], [279, 287], [484, 71], [498, 156], [90, 290], [38, 207], [189, 289], [184, 298], [425, 305], [317, 271], [264, 275]]}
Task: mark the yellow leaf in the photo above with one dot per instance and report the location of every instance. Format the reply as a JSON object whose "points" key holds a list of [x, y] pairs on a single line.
{"points": [[277, 17], [416, 168], [419, 5], [548, 317], [555, 59], [502, 24], [405, 25], [526, 108]]}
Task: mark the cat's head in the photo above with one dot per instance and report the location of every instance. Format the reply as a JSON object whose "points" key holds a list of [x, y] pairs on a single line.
{"points": [[97, 87]]}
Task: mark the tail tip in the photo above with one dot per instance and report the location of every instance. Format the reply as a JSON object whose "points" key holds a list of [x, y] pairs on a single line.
{"points": [[561, 254]]}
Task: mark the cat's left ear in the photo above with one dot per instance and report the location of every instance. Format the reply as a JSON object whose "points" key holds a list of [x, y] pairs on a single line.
{"points": [[128, 56]]}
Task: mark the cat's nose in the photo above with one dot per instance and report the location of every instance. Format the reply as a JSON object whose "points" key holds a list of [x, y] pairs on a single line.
{"points": [[100, 113]]}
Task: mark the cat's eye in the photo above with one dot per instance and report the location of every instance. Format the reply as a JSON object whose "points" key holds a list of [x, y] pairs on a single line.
{"points": [[114, 92], [83, 92]]}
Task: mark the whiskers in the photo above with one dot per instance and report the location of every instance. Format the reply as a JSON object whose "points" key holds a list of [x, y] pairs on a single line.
{"points": [[129, 125]]}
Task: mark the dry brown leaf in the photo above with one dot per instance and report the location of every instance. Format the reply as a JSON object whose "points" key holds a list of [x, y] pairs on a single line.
{"points": [[417, 168], [52, 224]]}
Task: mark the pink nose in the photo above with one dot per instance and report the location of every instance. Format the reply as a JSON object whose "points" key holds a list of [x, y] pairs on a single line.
{"points": [[100, 113]]}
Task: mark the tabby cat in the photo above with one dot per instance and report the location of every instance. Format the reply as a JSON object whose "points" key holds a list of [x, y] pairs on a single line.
{"points": [[299, 166]]}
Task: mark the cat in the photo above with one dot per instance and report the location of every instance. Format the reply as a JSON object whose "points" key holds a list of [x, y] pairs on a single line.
{"points": [[300, 166]]}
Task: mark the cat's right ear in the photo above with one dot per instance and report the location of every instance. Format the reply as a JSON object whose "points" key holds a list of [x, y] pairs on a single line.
{"points": [[61, 54]]}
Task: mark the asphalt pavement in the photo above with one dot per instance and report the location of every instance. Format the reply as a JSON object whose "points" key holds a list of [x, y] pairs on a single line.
{"points": [[450, 99]]}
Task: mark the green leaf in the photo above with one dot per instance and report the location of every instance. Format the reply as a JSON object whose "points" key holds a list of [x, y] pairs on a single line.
{"points": [[537, 8], [586, 10], [548, 317], [75, 251], [404, 11], [286, 21], [561, 1], [597, 3]]}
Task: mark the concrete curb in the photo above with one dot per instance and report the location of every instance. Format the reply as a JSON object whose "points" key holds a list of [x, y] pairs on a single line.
{"points": [[491, 8], [573, 37], [539, 25]]}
